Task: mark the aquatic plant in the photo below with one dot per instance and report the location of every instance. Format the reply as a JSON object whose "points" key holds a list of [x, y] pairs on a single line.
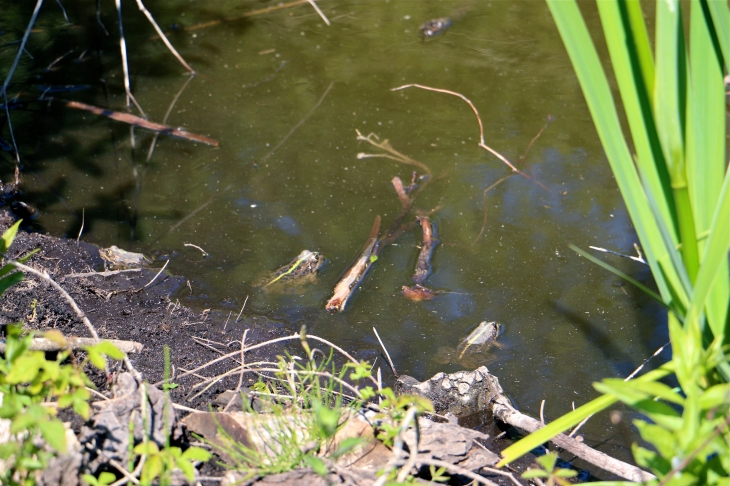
{"points": [[677, 191]]}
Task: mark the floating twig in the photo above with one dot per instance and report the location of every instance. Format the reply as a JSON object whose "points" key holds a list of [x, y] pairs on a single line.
{"points": [[390, 361], [205, 253], [639, 258], [484, 195], [300, 123], [482, 144], [136, 121]]}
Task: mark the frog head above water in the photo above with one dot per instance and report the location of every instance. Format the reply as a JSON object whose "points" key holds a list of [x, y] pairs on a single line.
{"points": [[301, 269], [473, 350]]}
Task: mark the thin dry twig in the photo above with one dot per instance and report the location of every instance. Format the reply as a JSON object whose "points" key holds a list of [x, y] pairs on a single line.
{"points": [[125, 63], [242, 307], [158, 274], [162, 35], [66, 295], [81, 230], [392, 154], [321, 14], [205, 253], [101, 274], [167, 115], [240, 377], [390, 361], [484, 195], [252, 13], [482, 144], [300, 123], [21, 49]]}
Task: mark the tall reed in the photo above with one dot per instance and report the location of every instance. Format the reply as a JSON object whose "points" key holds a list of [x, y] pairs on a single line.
{"points": [[676, 187]]}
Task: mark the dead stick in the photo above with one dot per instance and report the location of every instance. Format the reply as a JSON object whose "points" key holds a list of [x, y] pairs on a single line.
{"points": [[43, 344], [423, 263], [390, 361], [142, 123], [66, 295], [504, 411]]}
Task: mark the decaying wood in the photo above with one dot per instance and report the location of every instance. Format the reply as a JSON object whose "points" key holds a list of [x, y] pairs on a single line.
{"points": [[43, 344], [142, 123], [356, 273]]}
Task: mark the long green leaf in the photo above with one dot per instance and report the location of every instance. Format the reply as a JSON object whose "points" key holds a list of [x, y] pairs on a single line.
{"points": [[633, 66], [600, 103], [706, 147], [619, 273], [721, 21]]}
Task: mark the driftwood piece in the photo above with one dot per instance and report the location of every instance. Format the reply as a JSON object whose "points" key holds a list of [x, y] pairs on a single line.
{"points": [[43, 344], [142, 123], [455, 393]]}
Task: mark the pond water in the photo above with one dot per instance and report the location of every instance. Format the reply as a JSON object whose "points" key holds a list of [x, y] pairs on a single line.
{"points": [[284, 94]]}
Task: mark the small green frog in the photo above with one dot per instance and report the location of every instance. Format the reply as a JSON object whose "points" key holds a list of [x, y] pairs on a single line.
{"points": [[302, 269], [117, 258], [472, 350]]}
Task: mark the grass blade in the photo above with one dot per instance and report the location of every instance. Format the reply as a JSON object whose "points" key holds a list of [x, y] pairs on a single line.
{"points": [[619, 273]]}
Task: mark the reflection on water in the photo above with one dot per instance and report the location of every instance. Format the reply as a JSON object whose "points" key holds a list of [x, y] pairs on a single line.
{"points": [[265, 83]]}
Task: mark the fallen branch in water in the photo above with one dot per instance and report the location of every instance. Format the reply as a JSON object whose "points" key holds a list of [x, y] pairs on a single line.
{"points": [[356, 273], [423, 264], [142, 123], [71, 342]]}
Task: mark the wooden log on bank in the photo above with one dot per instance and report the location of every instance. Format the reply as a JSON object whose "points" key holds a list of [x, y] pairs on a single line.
{"points": [[43, 344]]}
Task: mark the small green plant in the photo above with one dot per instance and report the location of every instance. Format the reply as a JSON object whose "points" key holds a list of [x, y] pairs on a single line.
{"points": [[304, 407], [27, 382], [160, 463], [104, 479], [547, 471], [676, 186]]}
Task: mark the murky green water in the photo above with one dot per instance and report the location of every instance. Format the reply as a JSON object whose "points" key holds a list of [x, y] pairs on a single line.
{"points": [[253, 208]]}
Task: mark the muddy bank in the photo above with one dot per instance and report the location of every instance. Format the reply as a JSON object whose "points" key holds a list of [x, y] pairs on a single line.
{"points": [[120, 307]]}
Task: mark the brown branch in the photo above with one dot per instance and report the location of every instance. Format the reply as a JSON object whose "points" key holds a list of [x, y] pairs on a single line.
{"points": [[71, 342], [142, 123]]}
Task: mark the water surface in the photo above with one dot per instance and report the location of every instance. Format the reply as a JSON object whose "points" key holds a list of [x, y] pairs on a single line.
{"points": [[288, 82]]}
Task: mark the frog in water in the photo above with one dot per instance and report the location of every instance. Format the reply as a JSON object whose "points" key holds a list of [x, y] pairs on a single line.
{"points": [[472, 350], [434, 27], [302, 269], [117, 258]]}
